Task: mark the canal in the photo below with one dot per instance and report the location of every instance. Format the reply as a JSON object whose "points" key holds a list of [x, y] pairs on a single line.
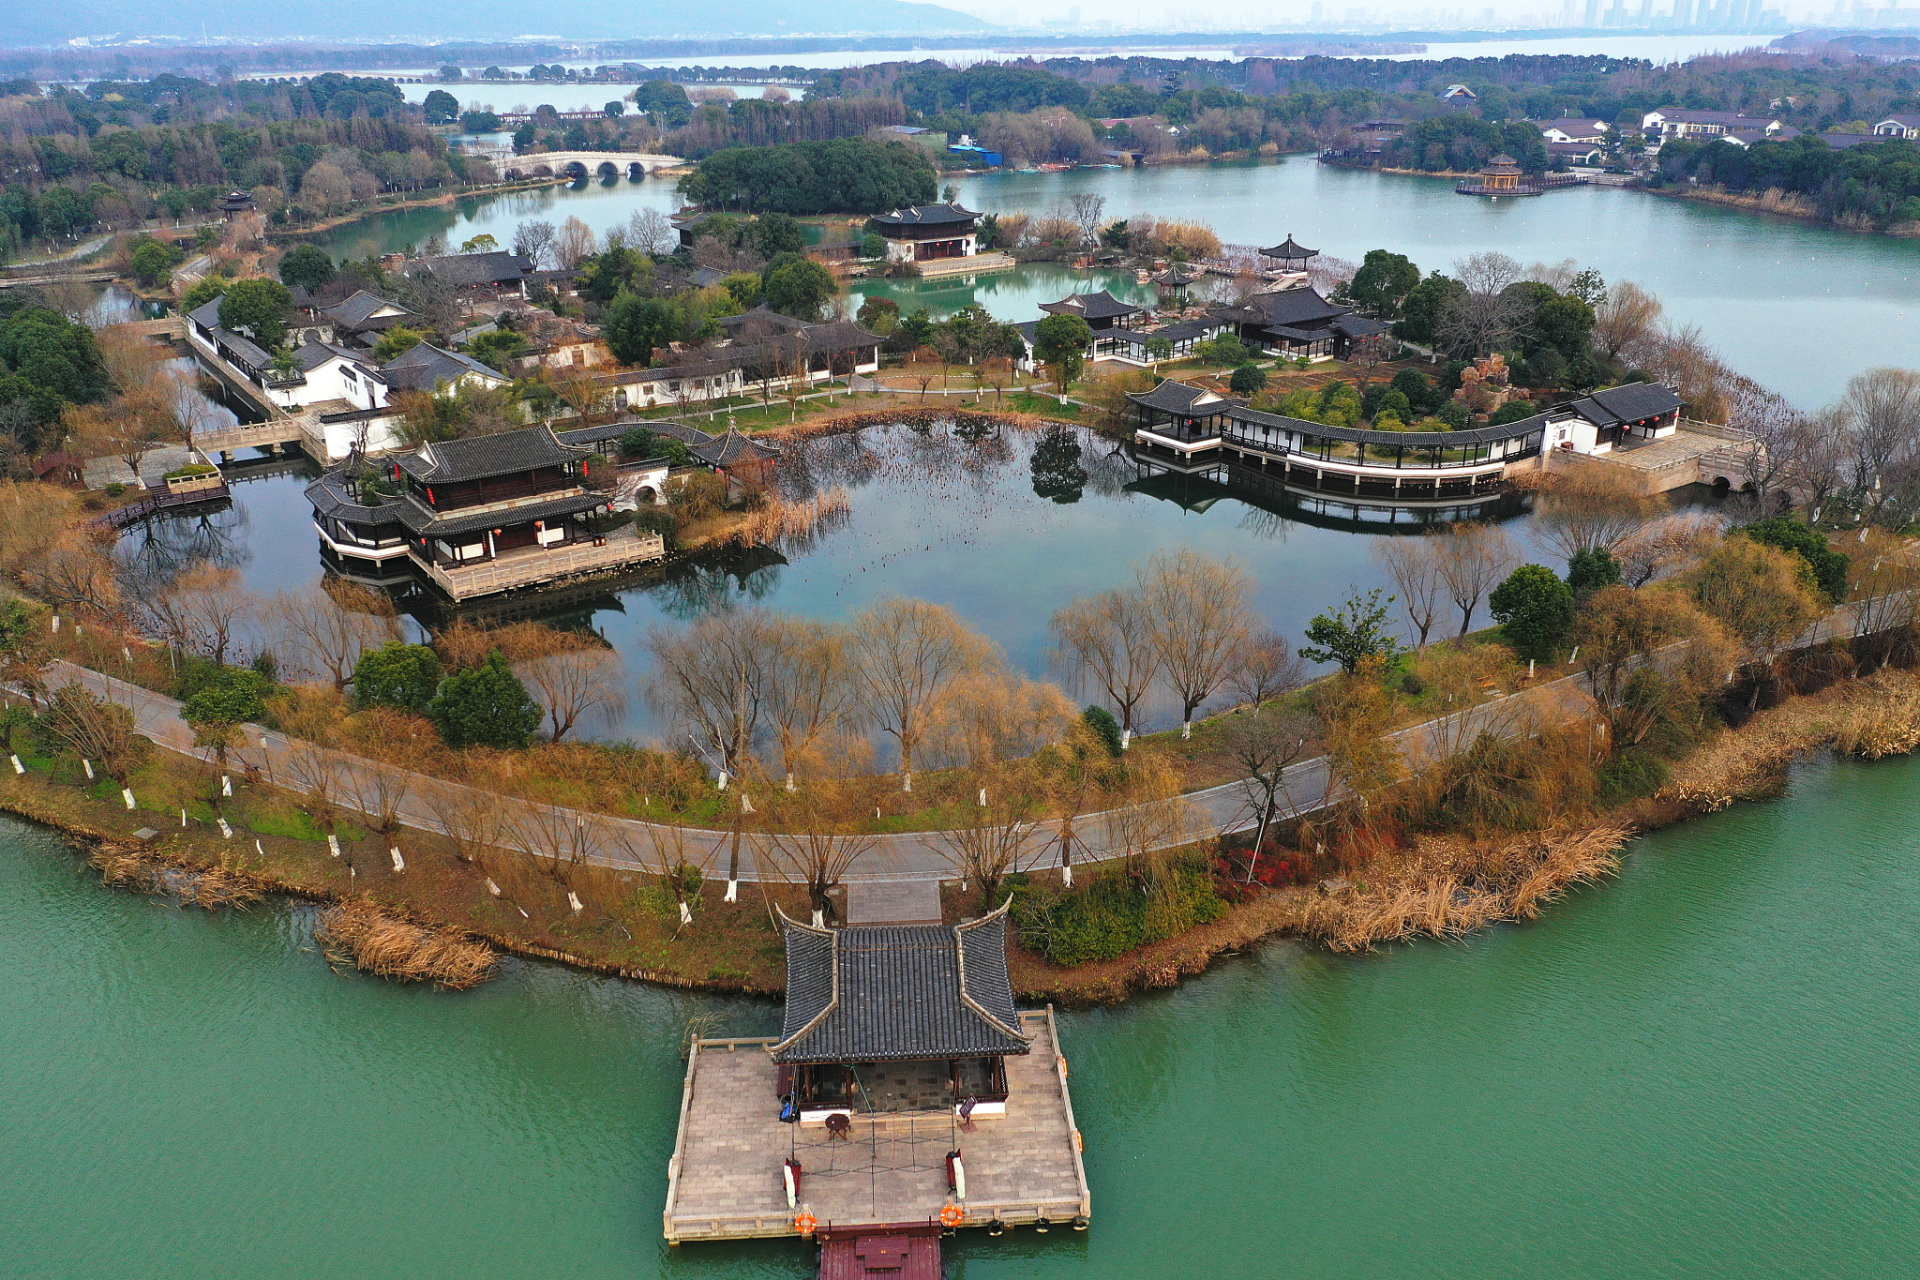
{"points": [[1800, 307], [1704, 1068]]}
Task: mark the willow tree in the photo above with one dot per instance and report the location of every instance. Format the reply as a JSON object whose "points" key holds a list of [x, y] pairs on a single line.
{"points": [[1199, 619], [1105, 639], [905, 655]]}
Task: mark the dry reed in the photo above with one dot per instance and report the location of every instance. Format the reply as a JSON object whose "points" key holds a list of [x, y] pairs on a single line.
{"points": [[211, 889], [1513, 880], [781, 521], [360, 934]]}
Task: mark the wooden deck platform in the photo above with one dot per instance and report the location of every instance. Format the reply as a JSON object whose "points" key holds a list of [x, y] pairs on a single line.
{"points": [[725, 1179]]}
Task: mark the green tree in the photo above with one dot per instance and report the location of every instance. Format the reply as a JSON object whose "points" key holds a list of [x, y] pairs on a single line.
{"points": [[497, 347], [397, 340], [1789, 533], [441, 107], [799, 288], [485, 706], [1424, 304], [1591, 570], [1061, 342], [1535, 609], [615, 109], [398, 675], [873, 245], [227, 697], [204, 290], [1248, 380], [48, 351], [634, 326], [1384, 278], [639, 442], [744, 287], [1353, 633], [306, 265], [258, 306], [1512, 411], [152, 263], [1104, 727], [878, 315], [777, 233]]}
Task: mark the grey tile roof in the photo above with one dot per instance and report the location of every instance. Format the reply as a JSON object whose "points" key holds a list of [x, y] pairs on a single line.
{"points": [[890, 993], [1629, 402], [1091, 306], [926, 215], [355, 310], [732, 449], [423, 367], [468, 269], [478, 457], [1289, 248], [1181, 398], [1304, 308], [207, 314], [422, 521], [312, 355]]}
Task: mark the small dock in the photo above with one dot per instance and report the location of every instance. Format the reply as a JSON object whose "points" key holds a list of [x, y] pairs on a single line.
{"points": [[886, 1174]]}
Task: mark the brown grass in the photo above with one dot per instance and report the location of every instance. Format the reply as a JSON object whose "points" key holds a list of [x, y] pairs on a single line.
{"points": [[360, 934], [211, 888], [1875, 717], [780, 521], [1452, 888]]}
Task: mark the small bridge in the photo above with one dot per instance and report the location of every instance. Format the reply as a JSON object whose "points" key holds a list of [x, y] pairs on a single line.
{"points": [[579, 163]]}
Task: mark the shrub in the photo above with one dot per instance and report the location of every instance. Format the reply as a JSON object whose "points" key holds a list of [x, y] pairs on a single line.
{"points": [[1535, 608], [399, 675], [1248, 380], [485, 706], [1631, 775], [1112, 915], [1788, 533], [1104, 727], [1590, 570]]}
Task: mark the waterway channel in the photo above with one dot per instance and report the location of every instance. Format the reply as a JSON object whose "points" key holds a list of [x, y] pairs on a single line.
{"points": [[1800, 307], [1704, 1068]]}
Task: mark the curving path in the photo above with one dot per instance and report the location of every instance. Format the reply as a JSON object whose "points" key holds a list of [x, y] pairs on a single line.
{"points": [[906, 856]]}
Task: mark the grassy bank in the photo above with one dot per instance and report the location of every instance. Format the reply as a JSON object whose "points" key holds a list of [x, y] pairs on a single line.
{"points": [[425, 919]]}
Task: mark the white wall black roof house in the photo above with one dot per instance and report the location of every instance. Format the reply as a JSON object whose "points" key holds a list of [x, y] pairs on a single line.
{"points": [[891, 993], [497, 270], [925, 232]]}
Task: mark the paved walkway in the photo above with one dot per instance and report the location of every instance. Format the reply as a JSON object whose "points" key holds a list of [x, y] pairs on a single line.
{"points": [[625, 843]]}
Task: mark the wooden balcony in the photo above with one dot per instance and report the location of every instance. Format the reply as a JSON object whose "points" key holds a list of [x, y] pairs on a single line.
{"points": [[533, 566]]}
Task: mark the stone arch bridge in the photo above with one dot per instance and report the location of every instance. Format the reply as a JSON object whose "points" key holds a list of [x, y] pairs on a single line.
{"points": [[576, 164]]}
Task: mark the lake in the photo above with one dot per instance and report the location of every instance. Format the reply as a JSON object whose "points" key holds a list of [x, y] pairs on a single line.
{"points": [[956, 522], [1801, 308], [1702, 1069]]}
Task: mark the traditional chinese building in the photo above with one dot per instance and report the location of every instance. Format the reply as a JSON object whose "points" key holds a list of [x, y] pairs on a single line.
{"points": [[926, 232], [1500, 176]]}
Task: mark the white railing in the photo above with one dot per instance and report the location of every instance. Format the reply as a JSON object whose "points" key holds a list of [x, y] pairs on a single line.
{"points": [[529, 568]]}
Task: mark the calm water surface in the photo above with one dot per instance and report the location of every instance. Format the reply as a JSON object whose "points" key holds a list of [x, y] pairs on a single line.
{"points": [[1705, 1069], [1760, 288], [936, 517]]}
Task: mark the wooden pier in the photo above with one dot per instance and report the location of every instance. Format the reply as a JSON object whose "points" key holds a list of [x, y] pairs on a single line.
{"points": [[885, 1171]]}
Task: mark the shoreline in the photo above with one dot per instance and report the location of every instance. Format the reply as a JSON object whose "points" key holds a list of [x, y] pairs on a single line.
{"points": [[437, 200], [1872, 718]]}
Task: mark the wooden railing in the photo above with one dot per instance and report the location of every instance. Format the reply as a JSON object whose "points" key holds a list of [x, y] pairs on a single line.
{"points": [[530, 568]]}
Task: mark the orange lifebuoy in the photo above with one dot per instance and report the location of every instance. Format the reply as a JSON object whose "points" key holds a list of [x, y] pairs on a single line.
{"points": [[952, 1216], [805, 1223], [1063, 1066]]}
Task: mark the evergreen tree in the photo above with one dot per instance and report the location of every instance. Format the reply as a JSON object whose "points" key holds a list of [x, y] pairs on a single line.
{"points": [[485, 706]]}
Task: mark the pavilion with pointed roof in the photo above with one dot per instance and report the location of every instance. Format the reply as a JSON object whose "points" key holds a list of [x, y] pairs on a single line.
{"points": [[1290, 254], [899, 1017]]}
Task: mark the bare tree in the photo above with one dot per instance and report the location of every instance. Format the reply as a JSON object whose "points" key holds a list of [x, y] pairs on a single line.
{"points": [[1369, 353], [1881, 413], [1478, 319], [810, 694], [905, 653], [812, 844], [1106, 638], [71, 571], [664, 851], [96, 729], [324, 632], [1087, 208], [1625, 318], [1199, 619], [533, 240], [318, 774], [651, 232], [583, 681], [472, 818], [202, 611], [712, 677], [1261, 746], [1591, 508], [1473, 560], [1268, 667], [992, 836], [1414, 565], [1665, 547], [574, 244], [554, 840]]}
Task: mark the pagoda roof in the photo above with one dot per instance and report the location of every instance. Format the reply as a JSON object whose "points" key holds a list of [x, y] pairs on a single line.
{"points": [[893, 993], [1099, 305], [478, 457], [926, 215], [1289, 248]]}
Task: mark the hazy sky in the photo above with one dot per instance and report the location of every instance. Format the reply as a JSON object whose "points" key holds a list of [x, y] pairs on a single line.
{"points": [[1176, 15]]}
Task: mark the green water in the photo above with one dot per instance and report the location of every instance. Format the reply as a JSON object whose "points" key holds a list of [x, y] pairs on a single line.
{"points": [[1800, 307], [1703, 1069]]}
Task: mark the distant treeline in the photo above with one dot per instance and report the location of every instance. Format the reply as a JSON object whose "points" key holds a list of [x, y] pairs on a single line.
{"points": [[1871, 184]]}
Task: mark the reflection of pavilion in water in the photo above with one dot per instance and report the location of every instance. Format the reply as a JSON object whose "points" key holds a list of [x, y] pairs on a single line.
{"points": [[1198, 488]]}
